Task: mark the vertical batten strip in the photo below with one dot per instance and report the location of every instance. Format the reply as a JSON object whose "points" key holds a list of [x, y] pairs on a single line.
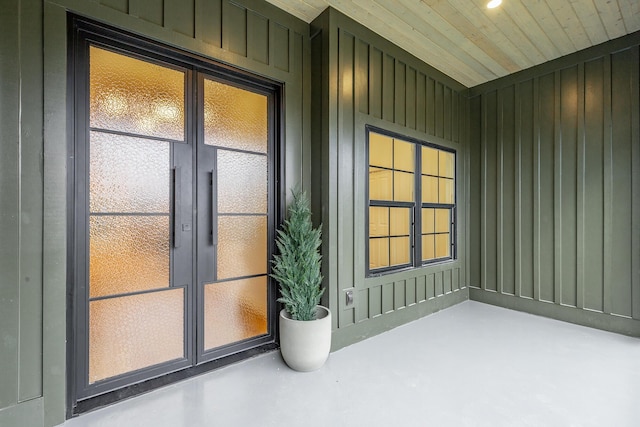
{"points": [[360, 99], [608, 185], [354, 205], [456, 128], [344, 248], [536, 189], [508, 184], [30, 207], [483, 190], [439, 107], [518, 191], [580, 190], [622, 170], [421, 104], [500, 193], [362, 74], [635, 184], [557, 189], [410, 97], [10, 155], [388, 87], [400, 93], [431, 106]]}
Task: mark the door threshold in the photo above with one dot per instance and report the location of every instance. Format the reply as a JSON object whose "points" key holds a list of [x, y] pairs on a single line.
{"points": [[109, 398]]}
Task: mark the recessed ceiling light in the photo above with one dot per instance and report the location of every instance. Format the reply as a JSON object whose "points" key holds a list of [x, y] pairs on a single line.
{"points": [[494, 3]]}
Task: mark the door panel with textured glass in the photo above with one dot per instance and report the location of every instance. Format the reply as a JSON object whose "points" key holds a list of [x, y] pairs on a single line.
{"points": [[136, 257], [233, 166], [149, 133]]}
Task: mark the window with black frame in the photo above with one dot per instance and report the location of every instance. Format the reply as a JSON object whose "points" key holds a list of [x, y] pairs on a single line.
{"points": [[411, 202]]}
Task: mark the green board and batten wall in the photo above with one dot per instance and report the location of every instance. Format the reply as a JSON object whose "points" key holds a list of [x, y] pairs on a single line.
{"points": [[359, 79], [548, 172], [21, 214], [555, 194]]}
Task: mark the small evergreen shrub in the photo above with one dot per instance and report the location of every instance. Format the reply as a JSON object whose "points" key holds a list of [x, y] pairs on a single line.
{"points": [[297, 266]]}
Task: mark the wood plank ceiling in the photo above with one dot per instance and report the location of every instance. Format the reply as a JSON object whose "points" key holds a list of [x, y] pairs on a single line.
{"points": [[473, 44]]}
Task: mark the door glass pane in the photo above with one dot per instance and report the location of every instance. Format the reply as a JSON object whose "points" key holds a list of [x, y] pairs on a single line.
{"points": [[234, 117], [128, 174], [234, 311], [242, 246], [128, 254], [242, 182], [134, 332], [134, 96]]}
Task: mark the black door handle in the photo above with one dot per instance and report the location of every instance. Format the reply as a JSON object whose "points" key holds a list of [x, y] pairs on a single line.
{"points": [[214, 227], [176, 208]]}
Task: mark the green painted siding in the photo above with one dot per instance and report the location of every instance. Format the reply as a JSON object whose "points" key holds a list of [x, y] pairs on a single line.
{"points": [[21, 217], [359, 79], [556, 152]]}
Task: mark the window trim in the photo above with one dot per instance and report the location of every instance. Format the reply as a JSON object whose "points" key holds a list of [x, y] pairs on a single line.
{"points": [[416, 207]]}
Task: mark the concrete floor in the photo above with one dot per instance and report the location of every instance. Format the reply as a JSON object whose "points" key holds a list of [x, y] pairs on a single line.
{"points": [[470, 365]]}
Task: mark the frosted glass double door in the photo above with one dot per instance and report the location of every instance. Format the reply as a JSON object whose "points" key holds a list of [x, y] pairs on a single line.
{"points": [[174, 196]]}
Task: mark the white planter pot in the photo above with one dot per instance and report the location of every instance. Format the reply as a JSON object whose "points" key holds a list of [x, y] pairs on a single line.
{"points": [[305, 345]]}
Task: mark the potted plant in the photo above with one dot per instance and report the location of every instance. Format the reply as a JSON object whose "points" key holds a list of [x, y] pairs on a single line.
{"points": [[305, 325]]}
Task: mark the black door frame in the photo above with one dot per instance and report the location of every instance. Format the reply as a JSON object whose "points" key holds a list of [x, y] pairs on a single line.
{"points": [[83, 33]]}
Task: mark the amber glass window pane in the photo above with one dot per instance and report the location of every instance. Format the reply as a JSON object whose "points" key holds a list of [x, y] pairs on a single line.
{"points": [[242, 182], [234, 117], [429, 189], [443, 220], [403, 187], [446, 162], [428, 220], [128, 174], [134, 332], [242, 246], [400, 221], [380, 184], [378, 253], [380, 150], [134, 96], [446, 191], [442, 245], [234, 311], [399, 253], [428, 247], [128, 254], [403, 157], [378, 221], [429, 161]]}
